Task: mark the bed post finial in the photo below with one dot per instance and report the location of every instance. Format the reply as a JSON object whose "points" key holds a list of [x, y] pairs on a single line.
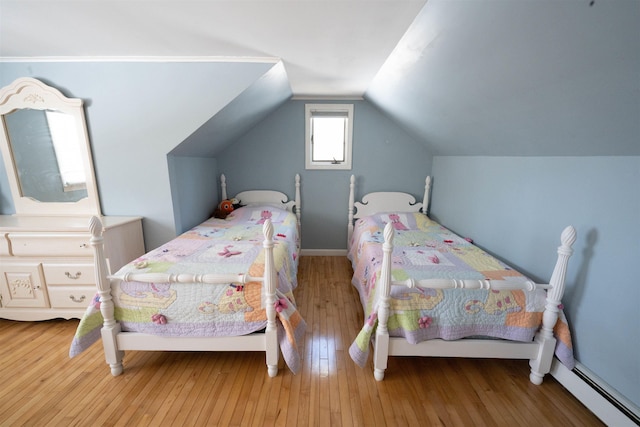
{"points": [[352, 186], [223, 186], [298, 200], [567, 239], [95, 227], [427, 195]]}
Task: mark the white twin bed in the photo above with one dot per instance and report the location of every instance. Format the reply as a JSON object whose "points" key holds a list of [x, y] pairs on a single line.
{"points": [[225, 285], [428, 292]]}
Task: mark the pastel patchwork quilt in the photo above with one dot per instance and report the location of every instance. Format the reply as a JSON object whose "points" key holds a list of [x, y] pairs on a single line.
{"points": [[423, 249], [232, 245]]}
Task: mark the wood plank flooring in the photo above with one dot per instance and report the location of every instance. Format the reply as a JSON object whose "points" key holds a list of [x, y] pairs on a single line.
{"points": [[41, 386]]}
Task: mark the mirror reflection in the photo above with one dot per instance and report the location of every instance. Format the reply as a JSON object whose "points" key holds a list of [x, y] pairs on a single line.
{"points": [[47, 155]]}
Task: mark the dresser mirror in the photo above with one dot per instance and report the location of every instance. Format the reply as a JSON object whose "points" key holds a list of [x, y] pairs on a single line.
{"points": [[46, 151]]}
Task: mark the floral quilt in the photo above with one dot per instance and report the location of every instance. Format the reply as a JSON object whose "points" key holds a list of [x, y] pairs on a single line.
{"points": [[424, 249], [232, 245]]}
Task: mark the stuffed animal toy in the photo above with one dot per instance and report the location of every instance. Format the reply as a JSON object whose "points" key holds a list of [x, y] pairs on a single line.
{"points": [[224, 208]]}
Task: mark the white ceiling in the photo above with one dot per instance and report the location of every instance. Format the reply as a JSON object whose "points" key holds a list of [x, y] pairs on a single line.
{"points": [[331, 48], [465, 77]]}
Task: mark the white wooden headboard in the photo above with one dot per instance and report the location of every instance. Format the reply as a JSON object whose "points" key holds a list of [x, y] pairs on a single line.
{"points": [[267, 197], [384, 201]]}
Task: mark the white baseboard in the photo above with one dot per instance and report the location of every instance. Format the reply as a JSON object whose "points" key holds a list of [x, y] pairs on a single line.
{"points": [[596, 402], [323, 252]]}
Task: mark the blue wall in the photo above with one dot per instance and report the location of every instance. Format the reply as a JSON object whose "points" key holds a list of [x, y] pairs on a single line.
{"points": [[518, 78], [194, 190], [385, 157], [517, 207], [137, 112]]}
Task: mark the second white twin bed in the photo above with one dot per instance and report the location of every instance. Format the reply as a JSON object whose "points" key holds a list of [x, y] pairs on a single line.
{"points": [[225, 285], [427, 292]]}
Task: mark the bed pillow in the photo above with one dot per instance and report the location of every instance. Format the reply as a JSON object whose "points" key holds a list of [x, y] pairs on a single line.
{"points": [[400, 220], [265, 204], [258, 213]]}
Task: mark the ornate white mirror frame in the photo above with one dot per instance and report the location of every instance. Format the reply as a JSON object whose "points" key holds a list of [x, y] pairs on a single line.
{"points": [[44, 190]]}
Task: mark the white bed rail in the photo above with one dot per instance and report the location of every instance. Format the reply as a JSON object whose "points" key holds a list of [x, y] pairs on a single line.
{"points": [[555, 288], [207, 278]]}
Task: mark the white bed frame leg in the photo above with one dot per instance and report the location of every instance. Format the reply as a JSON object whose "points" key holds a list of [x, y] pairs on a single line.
{"points": [[380, 355], [381, 345], [112, 355], [541, 365], [271, 332], [110, 328]]}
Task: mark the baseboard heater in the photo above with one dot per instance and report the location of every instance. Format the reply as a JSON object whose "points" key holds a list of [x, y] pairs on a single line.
{"points": [[623, 405]]}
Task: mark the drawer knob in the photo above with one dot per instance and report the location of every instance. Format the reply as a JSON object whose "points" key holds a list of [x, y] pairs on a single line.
{"points": [[74, 299], [73, 276]]}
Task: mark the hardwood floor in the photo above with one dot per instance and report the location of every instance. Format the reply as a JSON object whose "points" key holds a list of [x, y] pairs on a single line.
{"points": [[40, 385]]}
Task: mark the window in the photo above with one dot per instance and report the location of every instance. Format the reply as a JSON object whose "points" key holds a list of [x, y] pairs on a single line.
{"points": [[328, 131]]}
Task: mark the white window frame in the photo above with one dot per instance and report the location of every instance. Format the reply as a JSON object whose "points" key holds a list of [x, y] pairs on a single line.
{"points": [[342, 109]]}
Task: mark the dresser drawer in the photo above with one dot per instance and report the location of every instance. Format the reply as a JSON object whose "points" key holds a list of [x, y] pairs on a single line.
{"points": [[71, 296], [50, 244], [69, 274]]}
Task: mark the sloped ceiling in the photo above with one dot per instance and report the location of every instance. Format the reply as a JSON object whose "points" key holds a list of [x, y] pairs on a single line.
{"points": [[246, 110], [518, 78], [466, 77], [329, 47]]}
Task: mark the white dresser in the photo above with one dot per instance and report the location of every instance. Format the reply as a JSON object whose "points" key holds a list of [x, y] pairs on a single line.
{"points": [[46, 259], [46, 263]]}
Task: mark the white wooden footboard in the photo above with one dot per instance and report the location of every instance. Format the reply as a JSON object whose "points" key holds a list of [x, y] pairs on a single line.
{"points": [[539, 352], [115, 341]]}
